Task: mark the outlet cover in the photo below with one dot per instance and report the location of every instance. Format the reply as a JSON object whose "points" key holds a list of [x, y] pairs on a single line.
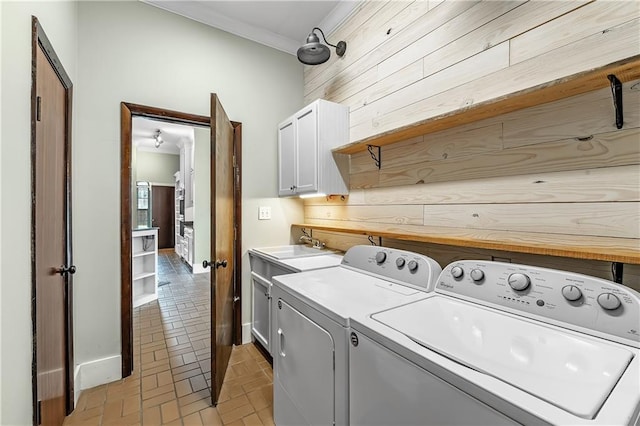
{"points": [[264, 213]]}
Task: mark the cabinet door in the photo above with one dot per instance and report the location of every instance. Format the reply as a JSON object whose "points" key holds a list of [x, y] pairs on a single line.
{"points": [[261, 309], [303, 351], [286, 159], [306, 129]]}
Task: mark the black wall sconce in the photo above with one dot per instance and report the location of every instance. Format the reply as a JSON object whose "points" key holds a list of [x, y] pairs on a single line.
{"points": [[314, 53]]}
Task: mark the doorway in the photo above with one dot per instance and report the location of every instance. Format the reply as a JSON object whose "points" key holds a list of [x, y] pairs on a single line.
{"points": [[51, 249], [128, 112]]}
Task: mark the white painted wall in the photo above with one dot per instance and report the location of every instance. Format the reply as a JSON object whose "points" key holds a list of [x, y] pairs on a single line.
{"points": [[157, 168], [129, 51], [202, 197], [59, 20]]}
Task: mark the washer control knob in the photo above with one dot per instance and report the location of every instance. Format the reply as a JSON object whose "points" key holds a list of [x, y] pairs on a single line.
{"points": [[400, 262], [571, 293], [519, 281], [457, 272], [608, 301], [381, 257], [477, 275], [412, 265]]}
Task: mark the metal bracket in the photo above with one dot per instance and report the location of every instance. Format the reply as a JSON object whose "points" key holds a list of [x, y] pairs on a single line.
{"points": [[616, 91], [373, 242], [616, 271], [377, 157]]}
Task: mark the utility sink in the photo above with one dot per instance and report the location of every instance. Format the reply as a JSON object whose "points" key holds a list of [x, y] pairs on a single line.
{"points": [[293, 251]]}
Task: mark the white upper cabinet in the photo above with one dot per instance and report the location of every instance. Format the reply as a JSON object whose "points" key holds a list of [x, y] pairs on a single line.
{"points": [[306, 164]]}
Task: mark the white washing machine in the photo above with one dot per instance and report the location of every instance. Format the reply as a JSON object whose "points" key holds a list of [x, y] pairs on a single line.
{"points": [[311, 326], [500, 343]]}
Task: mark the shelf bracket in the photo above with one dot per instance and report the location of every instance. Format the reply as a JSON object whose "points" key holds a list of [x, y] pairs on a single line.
{"points": [[616, 92], [377, 157], [373, 242], [616, 271]]}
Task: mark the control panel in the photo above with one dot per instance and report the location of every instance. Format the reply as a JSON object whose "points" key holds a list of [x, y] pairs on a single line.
{"points": [[404, 267], [594, 305]]}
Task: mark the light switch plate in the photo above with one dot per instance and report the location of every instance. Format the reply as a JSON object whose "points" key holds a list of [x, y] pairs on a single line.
{"points": [[264, 213]]}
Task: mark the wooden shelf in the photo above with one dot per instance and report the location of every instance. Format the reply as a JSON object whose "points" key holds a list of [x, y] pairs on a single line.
{"points": [[143, 275], [587, 81], [624, 250]]}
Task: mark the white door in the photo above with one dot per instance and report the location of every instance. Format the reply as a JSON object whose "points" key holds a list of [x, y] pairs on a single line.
{"points": [[304, 370], [307, 152], [286, 159]]}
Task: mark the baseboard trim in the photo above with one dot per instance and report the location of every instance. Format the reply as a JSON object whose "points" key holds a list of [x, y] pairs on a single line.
{"points": [[98, 372], [246, 333], [198, 269]]}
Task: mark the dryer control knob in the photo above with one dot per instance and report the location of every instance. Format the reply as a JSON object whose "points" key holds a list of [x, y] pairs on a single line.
{"points": [[519, 281], [412, 265], [381, 257], [571, 293], [477, 275], [457, 272], [608, 301], [400, 262]]}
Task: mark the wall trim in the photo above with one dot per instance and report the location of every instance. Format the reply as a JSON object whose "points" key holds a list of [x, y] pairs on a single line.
{"points": [[198, 269], [246, 333], [97, 372]]}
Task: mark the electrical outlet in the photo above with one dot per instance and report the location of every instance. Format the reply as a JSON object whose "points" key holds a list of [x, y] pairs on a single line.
{"points": [[264, 213]]}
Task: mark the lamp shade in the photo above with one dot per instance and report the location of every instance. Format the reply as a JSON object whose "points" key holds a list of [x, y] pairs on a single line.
{"points": [[313, 52]]}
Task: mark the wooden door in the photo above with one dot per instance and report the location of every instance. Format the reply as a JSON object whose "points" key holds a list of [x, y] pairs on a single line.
{"points": [[163, 214], [222, 244], [51, 236]]}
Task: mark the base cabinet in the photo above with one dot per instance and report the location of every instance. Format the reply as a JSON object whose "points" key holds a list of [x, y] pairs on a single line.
{"points": [[144, 253], [261, 273]]}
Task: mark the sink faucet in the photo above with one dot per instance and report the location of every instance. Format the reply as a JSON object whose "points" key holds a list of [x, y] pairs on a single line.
{"points": [[306, 239], [315, 243]]}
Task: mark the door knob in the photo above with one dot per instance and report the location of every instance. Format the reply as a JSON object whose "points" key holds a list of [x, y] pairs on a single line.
{"points": [[222, 263], [64, 269], [206, 264]]}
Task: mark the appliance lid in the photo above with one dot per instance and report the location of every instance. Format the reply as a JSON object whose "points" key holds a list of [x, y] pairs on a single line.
{"points": [[341, 293], [573, 373]]}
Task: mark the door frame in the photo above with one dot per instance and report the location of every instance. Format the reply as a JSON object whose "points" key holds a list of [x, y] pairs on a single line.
{"points": [[127, 112], [38, 37]]}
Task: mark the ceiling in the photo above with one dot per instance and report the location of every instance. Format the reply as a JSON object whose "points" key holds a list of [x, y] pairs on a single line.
{"points": [[283, 25], [173, 135]]}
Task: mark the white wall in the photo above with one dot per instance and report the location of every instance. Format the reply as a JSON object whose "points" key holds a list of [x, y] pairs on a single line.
{"points": [[157, 168], [59, 20], [202, 197], [133, 52]]}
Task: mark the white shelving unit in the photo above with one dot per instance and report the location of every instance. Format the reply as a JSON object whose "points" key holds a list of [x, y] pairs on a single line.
{"points": [[144, 253]]}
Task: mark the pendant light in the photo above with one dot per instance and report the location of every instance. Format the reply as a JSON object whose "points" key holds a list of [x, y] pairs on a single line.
{"points": [[158, 138], [314, 53]]}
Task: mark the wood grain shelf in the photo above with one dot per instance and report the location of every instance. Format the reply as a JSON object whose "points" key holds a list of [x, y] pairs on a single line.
{"points": [[587, 81], [623, 250]]}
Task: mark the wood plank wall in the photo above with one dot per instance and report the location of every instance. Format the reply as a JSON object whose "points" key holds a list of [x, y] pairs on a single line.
{"points": [[561, 168]]}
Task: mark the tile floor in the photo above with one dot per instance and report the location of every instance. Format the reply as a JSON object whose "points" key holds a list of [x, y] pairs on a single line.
{"points": [[172, 375]]}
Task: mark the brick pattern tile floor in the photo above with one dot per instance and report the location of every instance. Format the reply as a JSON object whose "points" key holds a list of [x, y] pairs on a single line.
{"points": [[171, 382]]}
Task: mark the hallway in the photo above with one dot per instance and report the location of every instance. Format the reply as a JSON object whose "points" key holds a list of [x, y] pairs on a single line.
{"points": [[172, 355]]}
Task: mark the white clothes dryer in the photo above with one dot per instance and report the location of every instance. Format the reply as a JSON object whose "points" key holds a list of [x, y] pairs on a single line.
{"points": [[311, 326], [499, 343]]}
